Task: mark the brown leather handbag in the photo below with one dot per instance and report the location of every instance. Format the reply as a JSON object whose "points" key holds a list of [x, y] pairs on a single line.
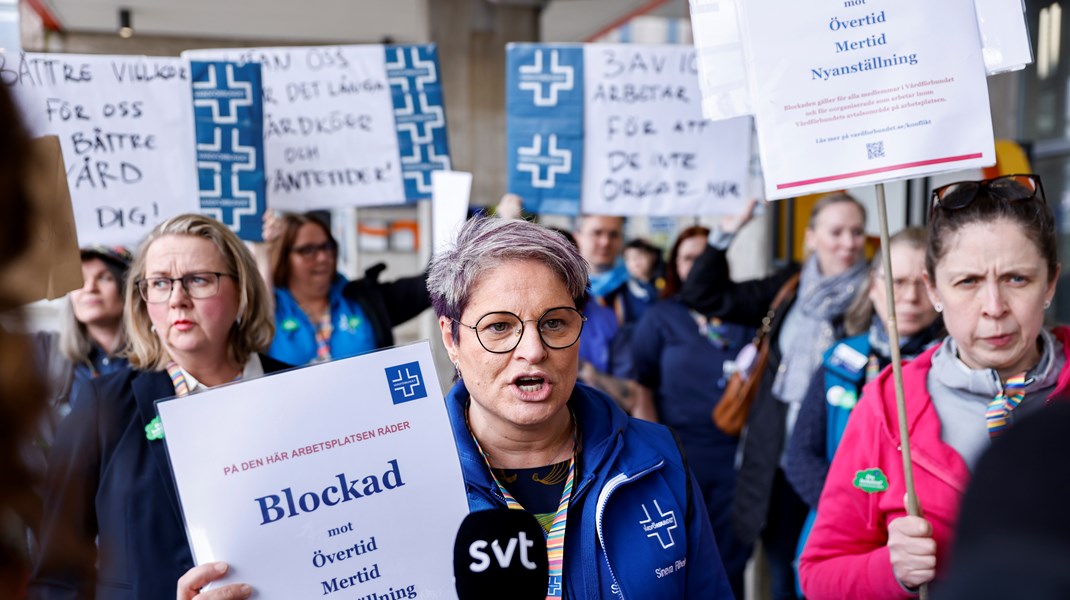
{"points": [[730, 414]]}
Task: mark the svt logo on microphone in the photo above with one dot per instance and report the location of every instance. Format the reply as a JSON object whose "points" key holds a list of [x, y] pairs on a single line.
{"points": [[504, 557], [497, 550]]}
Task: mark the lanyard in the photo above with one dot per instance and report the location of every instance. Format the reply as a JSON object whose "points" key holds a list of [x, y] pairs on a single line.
{"points": [[154, 430], [555, 540], [873, 368], [324, 329], [710, 328], [178, 379]]}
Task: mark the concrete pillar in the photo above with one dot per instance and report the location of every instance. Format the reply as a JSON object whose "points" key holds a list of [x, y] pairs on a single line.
{"points": [[471, 36]]}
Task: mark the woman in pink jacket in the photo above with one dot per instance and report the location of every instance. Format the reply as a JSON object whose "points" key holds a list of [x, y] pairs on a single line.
{"points": [[991, 268]]}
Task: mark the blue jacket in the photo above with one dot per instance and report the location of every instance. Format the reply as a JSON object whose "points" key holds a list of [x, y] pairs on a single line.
{"points": [[363, 313], [633, 528], [684, 369], [832, 395], [295, 338]]}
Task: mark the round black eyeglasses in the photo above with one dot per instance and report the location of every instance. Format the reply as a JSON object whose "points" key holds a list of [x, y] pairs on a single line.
{"points": [[500, 332]]}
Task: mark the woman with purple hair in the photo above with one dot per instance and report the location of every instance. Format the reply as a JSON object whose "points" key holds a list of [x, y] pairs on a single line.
{"points": [[622, 514]]}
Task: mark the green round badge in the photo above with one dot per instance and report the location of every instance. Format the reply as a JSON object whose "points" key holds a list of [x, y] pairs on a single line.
{"points": [[154, 430], [841, 397], [871, 481]]}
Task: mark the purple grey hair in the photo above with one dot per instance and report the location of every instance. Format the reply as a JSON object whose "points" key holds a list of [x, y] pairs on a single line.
{"points": [[486, 242]]}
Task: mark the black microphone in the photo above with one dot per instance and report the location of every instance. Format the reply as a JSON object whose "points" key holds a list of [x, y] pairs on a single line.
{"points": [[500, 553]]}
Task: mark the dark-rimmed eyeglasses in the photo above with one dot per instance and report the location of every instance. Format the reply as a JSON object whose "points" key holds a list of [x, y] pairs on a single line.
{"points": [[308, 251], [156, 290], [500, 332], [1010, 188]]}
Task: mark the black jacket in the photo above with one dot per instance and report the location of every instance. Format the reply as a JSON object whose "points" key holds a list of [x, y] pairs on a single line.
{"points": [[388, 304], [709, 290], [112, 526]]}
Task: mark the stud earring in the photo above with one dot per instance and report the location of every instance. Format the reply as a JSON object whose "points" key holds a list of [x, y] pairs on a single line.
{"points": [[1047, 304], [939, 307]]}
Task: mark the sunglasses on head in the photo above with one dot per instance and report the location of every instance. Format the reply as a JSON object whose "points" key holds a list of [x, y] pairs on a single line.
{"points": [[1010, 188]]}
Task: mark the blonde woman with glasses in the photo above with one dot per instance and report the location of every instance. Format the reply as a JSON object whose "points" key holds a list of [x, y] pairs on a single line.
{"points": [[197, 315]]}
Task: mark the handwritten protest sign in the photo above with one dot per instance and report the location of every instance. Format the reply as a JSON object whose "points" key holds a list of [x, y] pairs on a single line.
{"points": [[126, 128], [618, 129], [308, 490], [347, 125], [866, 92]]}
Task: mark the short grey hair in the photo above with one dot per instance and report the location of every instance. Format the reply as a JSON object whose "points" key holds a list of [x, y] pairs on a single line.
{"points": [[484, 243]]}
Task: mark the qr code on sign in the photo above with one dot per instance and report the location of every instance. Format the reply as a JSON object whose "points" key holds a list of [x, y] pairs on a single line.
{"points": [[875, 150]]}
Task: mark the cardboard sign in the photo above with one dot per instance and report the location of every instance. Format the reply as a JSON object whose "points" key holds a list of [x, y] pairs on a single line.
{"points": [[51, 266]]}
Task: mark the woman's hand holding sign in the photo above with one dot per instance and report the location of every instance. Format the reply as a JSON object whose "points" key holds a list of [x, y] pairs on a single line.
{"points": [[912, 551], [190, 584]]}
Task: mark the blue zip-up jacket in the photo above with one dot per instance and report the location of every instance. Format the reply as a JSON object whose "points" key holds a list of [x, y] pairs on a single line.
{"points": [[637, 527]]}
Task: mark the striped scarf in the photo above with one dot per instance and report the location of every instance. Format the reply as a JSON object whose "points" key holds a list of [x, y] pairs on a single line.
{"points": [[1001, 406]]}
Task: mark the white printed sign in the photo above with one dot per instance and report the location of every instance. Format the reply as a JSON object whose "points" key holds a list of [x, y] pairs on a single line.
{"points": [[718, 35], [648, 150], [866, 93], [330, 137], [306, 482], [125, 124]]}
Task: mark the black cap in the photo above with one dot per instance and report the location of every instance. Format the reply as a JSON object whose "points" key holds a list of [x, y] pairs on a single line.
{"points": [[117, 256]]}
